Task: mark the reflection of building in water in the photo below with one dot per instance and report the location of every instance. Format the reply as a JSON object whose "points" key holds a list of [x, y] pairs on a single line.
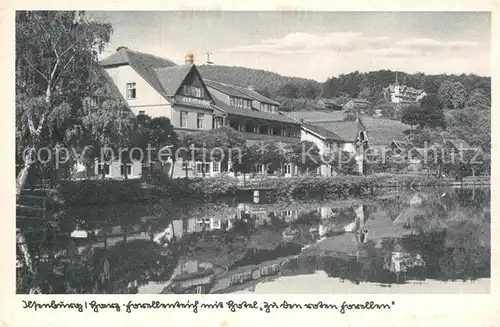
{"points": [[261, 213], [341, 220], [192, 275], [400, 262], [108, 236]]}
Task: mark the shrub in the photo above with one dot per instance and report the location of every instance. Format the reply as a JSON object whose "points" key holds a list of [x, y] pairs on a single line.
{"points": [[99, 192]]}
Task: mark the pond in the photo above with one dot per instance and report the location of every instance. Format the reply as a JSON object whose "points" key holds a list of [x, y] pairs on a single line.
{"points": [[401, 240]]}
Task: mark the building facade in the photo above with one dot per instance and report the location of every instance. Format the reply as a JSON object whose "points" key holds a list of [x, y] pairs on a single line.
{"points": [[158, 87], [402, 94]]}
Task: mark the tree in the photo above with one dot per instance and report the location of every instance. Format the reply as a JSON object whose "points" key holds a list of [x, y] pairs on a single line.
{"points": [[411, 115], [452, 95], [311, 91], [473, 125], [107, 131], [478, 99], [232, 145], [386, 108], [431, 115], [289, 90], [306, 156], [55, 52], [157, 134], [342, 162], [271, 154], [248, 159]]}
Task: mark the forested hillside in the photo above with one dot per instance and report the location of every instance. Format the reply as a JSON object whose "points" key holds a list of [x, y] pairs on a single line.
{"points": [[458, 103], [369, 85], [265, 82], [301, 94]]}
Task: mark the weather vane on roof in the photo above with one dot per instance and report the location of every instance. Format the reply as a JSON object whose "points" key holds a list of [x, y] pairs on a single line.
{"points": [[208, 57]]}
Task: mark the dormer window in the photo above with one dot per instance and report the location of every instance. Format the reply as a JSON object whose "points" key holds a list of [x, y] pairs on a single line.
{"points": [[240, 103], [131, 91], [90, 102], [266, 107], [192, 91]]}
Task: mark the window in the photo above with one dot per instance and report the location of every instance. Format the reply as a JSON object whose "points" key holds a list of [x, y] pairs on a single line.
{"points": [[240, 103], [184, 119], [131, 92], [218, 122], [259, 169], [288, 169], [185, 166], [193, 91], [142, 112], [200, 166], [216, 167], [125, 114], [216, 224], [103, 167], [201, 118], [90, 102], [127, 168]]}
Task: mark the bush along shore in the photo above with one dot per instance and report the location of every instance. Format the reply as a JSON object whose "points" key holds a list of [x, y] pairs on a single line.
{"points": [[105, 192]]}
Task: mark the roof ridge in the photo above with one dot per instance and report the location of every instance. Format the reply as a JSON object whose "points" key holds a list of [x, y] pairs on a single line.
{"points": [[149, 54]]}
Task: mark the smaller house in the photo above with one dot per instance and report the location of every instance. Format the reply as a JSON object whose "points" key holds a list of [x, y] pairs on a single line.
{"points": [[457, 145], [356, 105], [325, 140], [403, 94], [330, 104]]}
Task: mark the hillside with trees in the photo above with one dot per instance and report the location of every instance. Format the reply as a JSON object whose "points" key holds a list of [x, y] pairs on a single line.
{"points": [[302, 94], [265, 82]]}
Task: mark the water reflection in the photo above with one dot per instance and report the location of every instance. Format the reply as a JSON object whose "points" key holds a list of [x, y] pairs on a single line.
{"points": [[232, 245]]}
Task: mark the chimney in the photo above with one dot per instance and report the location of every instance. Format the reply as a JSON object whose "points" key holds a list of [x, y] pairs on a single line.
{"points": [[189, 58]]}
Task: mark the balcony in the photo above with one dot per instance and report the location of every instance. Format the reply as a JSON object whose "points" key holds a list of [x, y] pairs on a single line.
{"points": [[269, 137], [191, 101]]}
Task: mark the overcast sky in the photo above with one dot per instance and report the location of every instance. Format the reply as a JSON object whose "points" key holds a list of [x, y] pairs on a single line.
{"points": [[314, 45]]}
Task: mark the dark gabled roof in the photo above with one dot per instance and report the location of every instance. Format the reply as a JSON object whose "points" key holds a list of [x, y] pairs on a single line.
{"points": [[358, 101], [162, 74], [317, 116], [323, 132], [252, 113], [459, 144], [400, 144], [111, 91], [144, 64], [383, 131], [347, 130], [171, 78], [330, 101], [227, 89], [256, 96], [241, 92], [379, 131], [126, 56]]}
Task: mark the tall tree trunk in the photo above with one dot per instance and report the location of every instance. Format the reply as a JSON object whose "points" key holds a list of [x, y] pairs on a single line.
{"points": [[22, 176], [172, 169], [125, 233], [105, 239]]}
